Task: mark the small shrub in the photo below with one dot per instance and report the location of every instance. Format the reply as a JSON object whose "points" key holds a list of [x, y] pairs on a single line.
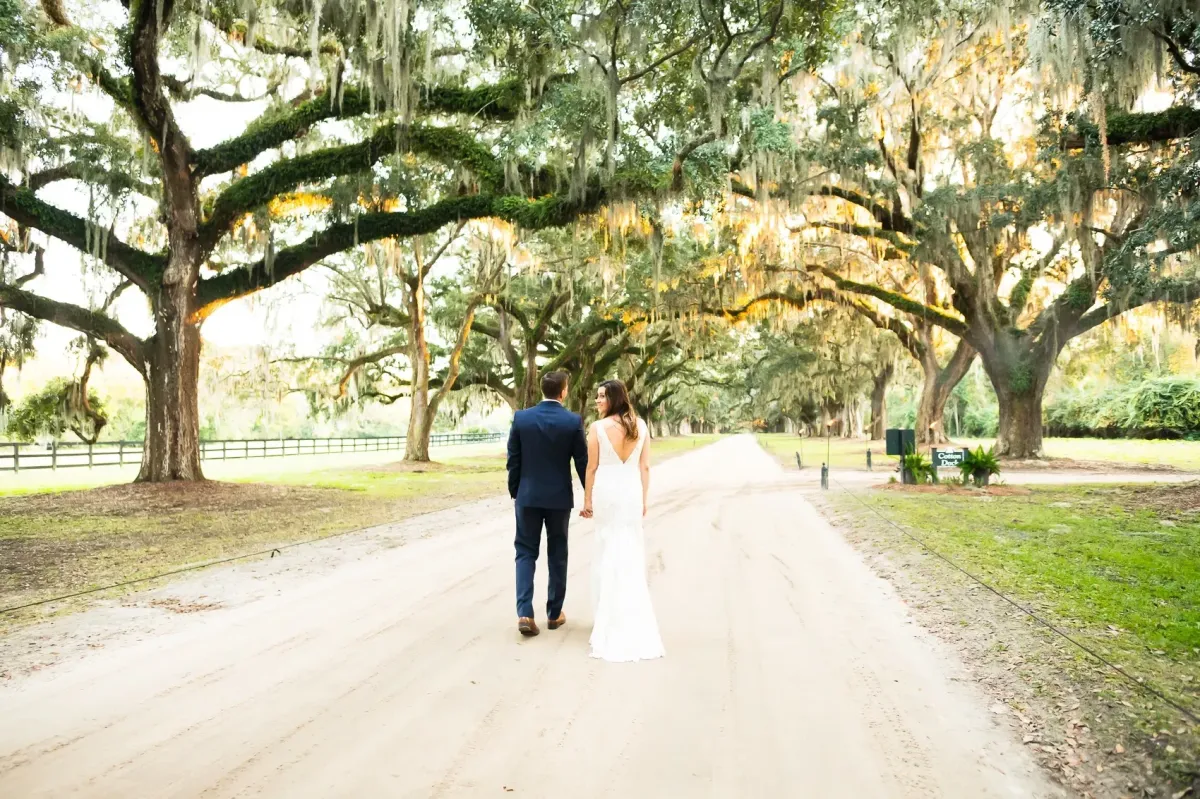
{"points": [[918, 467], [979, 467]]}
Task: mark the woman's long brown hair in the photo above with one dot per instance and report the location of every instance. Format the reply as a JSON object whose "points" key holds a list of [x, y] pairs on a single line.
{"points": [[620, 407]]}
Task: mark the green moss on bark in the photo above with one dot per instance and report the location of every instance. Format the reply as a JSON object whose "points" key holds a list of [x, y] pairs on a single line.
{"points": [[550, 211], [499, 101], [1177, 122], [446, 144]]}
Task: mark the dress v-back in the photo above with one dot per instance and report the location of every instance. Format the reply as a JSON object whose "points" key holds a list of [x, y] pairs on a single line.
{"points": [[625, 627]]}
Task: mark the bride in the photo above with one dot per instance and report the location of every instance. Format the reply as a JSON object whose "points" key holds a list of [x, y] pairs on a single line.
{"points": [[618, 479]]}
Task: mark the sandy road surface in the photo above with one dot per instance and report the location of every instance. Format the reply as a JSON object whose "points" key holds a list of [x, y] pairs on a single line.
{"points": [[390, 667]]}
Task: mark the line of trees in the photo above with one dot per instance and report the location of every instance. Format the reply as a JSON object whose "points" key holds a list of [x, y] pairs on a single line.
{"points": [[690, 196]]}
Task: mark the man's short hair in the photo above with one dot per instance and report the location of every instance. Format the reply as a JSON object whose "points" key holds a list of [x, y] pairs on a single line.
{"points": [[553, 384]]}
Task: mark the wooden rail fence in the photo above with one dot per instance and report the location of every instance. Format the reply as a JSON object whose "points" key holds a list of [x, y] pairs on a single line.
{"points": [[66, 455]]}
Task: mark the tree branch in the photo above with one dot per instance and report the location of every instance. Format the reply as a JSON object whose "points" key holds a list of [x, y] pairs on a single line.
{"points": [[553, 211], [899, 302], [889, 219], [183, 90], [1177, 122], [1176, 52], [641, 73], [447, 144], [25, 208], [74, 317], [452, 369], [148, 22], [225, 19], [683, 155], [57, 14], [499, 101], [85, 173], [358, 363]]}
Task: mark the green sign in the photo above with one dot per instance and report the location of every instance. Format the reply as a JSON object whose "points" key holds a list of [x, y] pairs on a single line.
{"points": [[948, 458]]}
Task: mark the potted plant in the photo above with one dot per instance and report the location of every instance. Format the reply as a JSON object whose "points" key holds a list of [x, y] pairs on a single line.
{"points": [[916, 468], [979, 467]]}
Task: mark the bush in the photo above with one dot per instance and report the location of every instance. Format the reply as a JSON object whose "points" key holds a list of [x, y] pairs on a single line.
{"points": [[979, 467], [56, 410], [918, 466], [1160, 407]]}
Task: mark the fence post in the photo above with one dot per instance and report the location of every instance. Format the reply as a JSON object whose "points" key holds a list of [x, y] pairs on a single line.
{"points": [[91, 460], [54, 456], [120, 453], [16, 457]]}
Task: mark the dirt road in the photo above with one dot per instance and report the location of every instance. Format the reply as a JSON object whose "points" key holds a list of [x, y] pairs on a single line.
{"points": [[388, 666]]}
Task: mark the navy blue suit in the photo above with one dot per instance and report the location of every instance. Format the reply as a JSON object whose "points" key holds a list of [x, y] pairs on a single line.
{"points": [[541, 445]]}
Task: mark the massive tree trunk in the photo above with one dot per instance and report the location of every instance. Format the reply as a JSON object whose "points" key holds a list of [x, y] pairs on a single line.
{"points": [[420, 420], [1019, 372], [939, 384], [172, 447], [879, 402], [1020, 434]]}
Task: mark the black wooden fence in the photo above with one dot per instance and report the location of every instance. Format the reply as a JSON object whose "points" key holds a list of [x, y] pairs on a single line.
{"points": [[65, 455]]}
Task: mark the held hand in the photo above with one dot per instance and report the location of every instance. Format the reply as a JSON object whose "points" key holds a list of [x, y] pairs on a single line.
{"points": [[586, 513]]}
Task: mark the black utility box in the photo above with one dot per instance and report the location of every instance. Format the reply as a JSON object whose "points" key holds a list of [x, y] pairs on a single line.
{"points": [[901, 442]]}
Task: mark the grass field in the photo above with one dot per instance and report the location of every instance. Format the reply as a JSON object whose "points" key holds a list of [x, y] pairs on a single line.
{"points": [[57, 543], [852, 453], [1116, 566], [662, 449], [842, 453], [61, 537]]}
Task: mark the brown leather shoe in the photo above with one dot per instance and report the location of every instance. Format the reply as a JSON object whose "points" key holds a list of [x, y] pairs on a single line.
{"points": [[528, 627], [561, 621]]}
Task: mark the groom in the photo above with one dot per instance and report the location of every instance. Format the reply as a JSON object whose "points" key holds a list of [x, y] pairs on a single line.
{"points": [[543, 441]]}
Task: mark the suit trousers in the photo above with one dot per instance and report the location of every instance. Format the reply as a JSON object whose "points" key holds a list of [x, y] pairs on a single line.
{"points": [[529, 539]]}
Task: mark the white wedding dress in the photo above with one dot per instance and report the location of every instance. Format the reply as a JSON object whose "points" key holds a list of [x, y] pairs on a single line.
{"points": [[625, 629]]}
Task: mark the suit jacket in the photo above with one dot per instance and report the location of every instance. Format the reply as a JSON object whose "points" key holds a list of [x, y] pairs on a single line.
{"points": [[541, 445]]}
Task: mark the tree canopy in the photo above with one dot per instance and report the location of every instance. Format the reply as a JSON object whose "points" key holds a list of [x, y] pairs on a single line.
{"points": [[675, 185]]}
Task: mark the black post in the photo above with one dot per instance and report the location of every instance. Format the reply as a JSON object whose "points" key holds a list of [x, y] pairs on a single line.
{"points": [[825, 476], [869, 467], [799, 463]]}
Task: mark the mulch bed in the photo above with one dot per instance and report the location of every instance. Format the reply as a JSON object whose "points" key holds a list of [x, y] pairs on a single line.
{"points": [[944, 488], [1059, 464], [155, 499]]}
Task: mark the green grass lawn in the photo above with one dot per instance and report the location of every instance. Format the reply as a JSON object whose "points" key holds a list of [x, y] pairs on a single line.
{"points": [[663, 449], [1182, 455], [1118, 567], [843, 453], [55, 542], [852, 453], [58, 543]]}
